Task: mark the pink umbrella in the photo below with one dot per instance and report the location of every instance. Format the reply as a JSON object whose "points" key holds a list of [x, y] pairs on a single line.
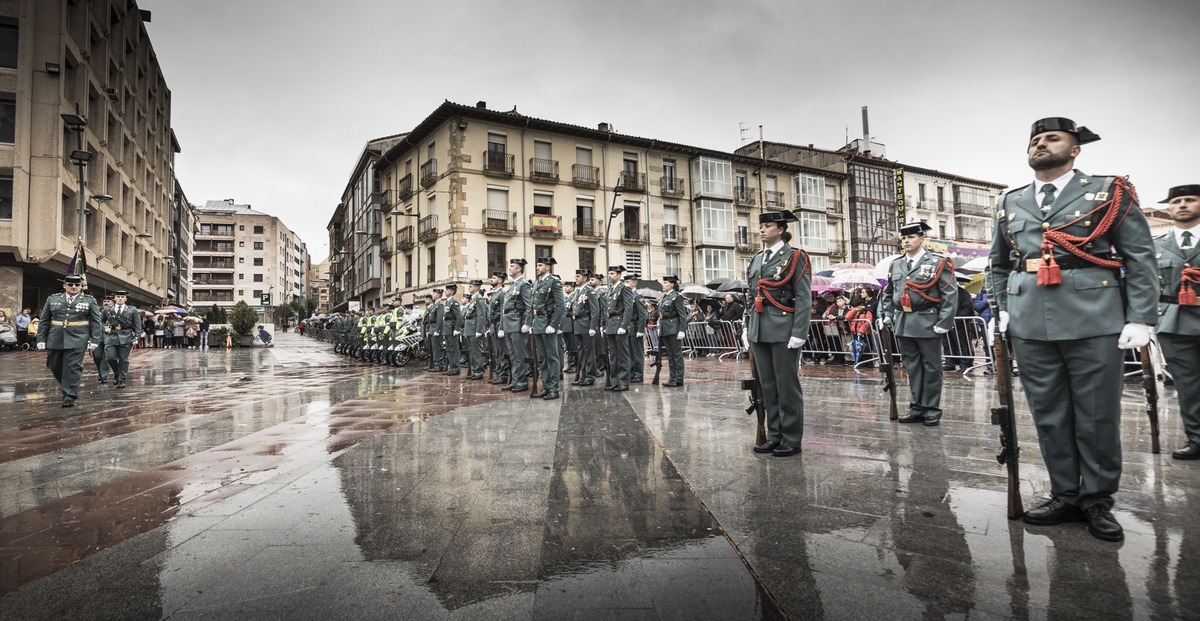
{"points": [[823, 283], [851, 266]]}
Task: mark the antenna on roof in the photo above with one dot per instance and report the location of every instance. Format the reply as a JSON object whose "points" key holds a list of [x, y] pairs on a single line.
{"points": [[743, 131]]}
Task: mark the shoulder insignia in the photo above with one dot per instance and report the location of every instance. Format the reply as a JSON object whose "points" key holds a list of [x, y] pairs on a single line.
{"points": [[1163, 236]]}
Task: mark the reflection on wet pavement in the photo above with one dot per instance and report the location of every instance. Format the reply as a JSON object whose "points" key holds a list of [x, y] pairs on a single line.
{"points": [[290, 482]]}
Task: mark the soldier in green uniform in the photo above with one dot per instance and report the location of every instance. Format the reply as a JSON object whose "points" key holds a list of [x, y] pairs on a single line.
{"points": [[570, 343], [549, 309], [69, 326], [584, 315], [499, 346], [122, 327], [98, 352], [594, 282], [672, 328], [1179, 308], [618, 322], [776, 327], [637, 343], [515, 321], [919, 300], [475, 313], [452, 326], [1056, 260], [437, 338]]}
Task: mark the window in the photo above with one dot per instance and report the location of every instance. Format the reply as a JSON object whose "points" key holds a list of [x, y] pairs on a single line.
{"points": [[258, 230], [670, 182], [6, 198], [543, 252], [921, 193], [497, 257], [241, 259], [258, 278], [587, 259], [241, 244], [714, 263], [820, 262], [809, 191], [257, 294], [431, 268], [258, 245], [673, 264], [585, 223], [583, 156], [633, 261], [941, 197], [714, 221], [744, 263], [812, 232], [543, 203], [8, 120], [497, 145], [670, 223], [241, 277], [258, 261], [712, 177], [8, 46], [241, 227]]}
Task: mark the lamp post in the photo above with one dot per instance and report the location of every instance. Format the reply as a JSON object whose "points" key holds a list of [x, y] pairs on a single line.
{"points": [[79, 157], [616, 211]]}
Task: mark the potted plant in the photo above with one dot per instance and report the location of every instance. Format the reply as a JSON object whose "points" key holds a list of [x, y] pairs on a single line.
{"points": [[243, 319]]}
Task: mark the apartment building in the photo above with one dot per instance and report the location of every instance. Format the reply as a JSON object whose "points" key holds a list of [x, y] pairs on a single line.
{"points": [[469, 188], [182, 227], [318, 285], [80, 84], [243, 255]]}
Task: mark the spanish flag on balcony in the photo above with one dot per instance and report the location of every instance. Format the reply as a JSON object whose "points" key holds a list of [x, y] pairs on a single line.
{"points": [[78, 265], [545, 224]]}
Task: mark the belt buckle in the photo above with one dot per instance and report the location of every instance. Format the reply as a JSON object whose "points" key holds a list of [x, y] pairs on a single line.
{"points": [[907, 309], [1032, 265]]}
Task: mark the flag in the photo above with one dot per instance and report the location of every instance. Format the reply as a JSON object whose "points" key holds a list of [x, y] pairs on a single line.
{"points": [[78, 265]]}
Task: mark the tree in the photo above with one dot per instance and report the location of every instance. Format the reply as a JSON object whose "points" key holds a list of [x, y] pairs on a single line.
{"points": [[216, 314], [243, 319]]}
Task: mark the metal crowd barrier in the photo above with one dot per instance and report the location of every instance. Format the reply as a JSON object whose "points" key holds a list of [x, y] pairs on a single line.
{"points": [[966, 346], [722, 339]]}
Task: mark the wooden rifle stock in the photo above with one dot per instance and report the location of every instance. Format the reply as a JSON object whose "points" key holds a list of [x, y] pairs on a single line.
{"points": [[757, 406], [1005, 417], [888, 370], [608, 365], [533, 364], [491, 356], [658, 355], [1148, 382]]}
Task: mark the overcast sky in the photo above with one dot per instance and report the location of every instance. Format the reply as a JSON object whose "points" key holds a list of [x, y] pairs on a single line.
{"points": [[274, 100]]}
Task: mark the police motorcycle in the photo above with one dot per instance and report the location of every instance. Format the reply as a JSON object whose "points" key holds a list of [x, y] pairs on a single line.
{"points": [[408, 340]]}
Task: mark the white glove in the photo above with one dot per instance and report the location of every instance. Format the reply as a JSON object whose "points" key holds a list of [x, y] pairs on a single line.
{"points": [[437, 333], [1003, 325], [550, 330], [525, 330], [940, 330], [620, 330], [591, 333], [41, 347], [795, 342], [92, 346], [883, 322], [680, 335], [1134, 336], [639, 335], [478, 334], [456, 333], [500, 334]]}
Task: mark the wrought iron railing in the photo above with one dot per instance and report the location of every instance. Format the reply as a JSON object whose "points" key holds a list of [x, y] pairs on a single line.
{"points": [[543, 170]]}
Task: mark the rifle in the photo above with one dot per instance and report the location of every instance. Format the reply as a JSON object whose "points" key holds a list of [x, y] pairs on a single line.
{"points": [[533, 365], [658, 353], [491, 356], [608, 366], [757, 405], [888, 370], [1005, 417], [579, 354], [1151, 396]]}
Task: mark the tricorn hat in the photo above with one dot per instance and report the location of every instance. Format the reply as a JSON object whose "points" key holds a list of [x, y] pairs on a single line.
{"points": [[439, 291], [1063, 124], [632, 276], [121, 292], [547, 261], [108, 297], [916, 228], [500, 275], [596, 276], [670, 278], [584, 272], [616, 268], [520, 262], [1192, 189], [476, 282], [452, 286], [778, 217], [73, 278]]}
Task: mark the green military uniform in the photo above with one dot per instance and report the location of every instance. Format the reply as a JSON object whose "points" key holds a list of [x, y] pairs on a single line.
{"points": [[475, 314], [584, 315], [98, 352], [452, 325], [599, 342], [636, 336], [771, 330], [1065, 336], [1178, 254], [919, 325], [500, 357], [618, 322], [517, 314], [672, 325], [570, 339], [437, 334], [549, 310], [122, 325], [65, 327]]}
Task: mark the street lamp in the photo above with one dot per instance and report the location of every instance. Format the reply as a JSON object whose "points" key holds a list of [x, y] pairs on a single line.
{"points": [[616, 211], [79, 157]]}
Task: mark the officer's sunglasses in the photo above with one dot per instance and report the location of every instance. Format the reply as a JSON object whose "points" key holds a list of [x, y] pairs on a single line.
{"points": [[74, 284]]}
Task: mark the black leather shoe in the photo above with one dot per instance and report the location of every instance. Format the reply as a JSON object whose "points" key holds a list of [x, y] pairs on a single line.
{"points": [[765, 447], [120, 384], [639, 380], [520, 388], [550, 396], [1191, 451], [1054, 512], [103, 380], [68, 403], [785, 451], [610, 388], [911, 418], [539, 394], [1102, 524], [620, 388], [584, 383], [571, 370], [933, 422], [498, 380], [673, 384], [452, 373]]}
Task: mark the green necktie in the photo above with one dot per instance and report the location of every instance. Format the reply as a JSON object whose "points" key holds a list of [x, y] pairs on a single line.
{"points": [[1048, 198], [1187, 240]]}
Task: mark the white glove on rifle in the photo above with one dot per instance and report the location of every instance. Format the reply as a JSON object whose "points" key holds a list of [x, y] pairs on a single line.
{"points": [[500, 334], [795, 342], [638, 335], [92, 346], [1002, 326], [525, 330], [1134, 336], [620, 330], [746, 337], [437, 333], [550, 330], [680, 335], [41, 347], [591, 333], [456, 333], [478, 334], [883, 322], [940, 330]]}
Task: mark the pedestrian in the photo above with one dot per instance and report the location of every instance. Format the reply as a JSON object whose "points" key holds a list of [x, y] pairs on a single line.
{"points": [[776, 327], [177, 330], [672, 329], [152, 329], [190, 332], [1179, 311], [919, 301], [69, 326], [98, 353], [264, 336], [548, 310], [204, 326], [585, 317], [22, 323], [836, 329], [122, 326], [1070, 317], [515, 322], [618, 322]]}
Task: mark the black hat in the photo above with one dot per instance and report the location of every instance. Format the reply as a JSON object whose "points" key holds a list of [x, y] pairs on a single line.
{"points": [[547, 261], [73, 278], [439, 291], [616, 268], [452, 286], [500, 275], [671, 278], [778, 217], [596, 276], [121, 292], [584, 272], [632, 276], [916, 228], [476, 282], [1192, 189], [1062, 124], [108, 297], [520, 262]]}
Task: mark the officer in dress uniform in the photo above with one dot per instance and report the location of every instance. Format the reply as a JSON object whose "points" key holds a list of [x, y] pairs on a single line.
{"points": [[570, 342], [452, 322], [475, 314], [98, 352], [69, 326], [437, 337], [637, 344], [618, 322], [1070, 317], [500, 357], [515, 324], [549, 310], [1178, 329], [672, 328], [595, 281], [919, 300], [122, 327], [584, 314], [776, 327]]}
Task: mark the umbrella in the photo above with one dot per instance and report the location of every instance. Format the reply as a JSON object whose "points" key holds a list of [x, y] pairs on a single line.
{"points": [[823, 283], [191, 318], [974, 284], [851, 278], [978, 264], [715, 284], [696, 292], [652, 285], [649, 293], [851, 266], [824, 273], [734, 284], [170, 310]]}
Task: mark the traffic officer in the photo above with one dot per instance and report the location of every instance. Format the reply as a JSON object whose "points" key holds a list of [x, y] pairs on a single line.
{"points": [[98, 352], [919, 300], [515, 321], [672, 328], [584, 314], [474, 325], [618, 321], [776, 327], [637, 344], [549, 309], [570, 343], [1059, 247], [1178, 329], [122, 327], [499, 347], [69, 326], [437, 339], [452, 322]]}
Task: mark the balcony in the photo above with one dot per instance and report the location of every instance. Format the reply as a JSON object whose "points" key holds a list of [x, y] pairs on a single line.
{"points": [[832, 207], [404, 189], [498, 164], [388, 200], [214, 232], [215, 282], [588, 230], [427, 229], [499, 222], [544, 171], [385, 248], [671, 186], [545, 226], [744, 243], [774, 199], [967, 209], [429, 173], [743, 196], [633, 232], [404, 239], [585, 176], [633, 181], [674, 235]]}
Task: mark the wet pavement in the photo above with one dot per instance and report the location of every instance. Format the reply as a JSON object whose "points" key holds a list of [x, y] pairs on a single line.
{"points": [[292, 482]]}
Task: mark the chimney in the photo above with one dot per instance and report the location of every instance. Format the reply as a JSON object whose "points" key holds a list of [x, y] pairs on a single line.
{"points": [[603, 127], [482, 105], [865, 147]]}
